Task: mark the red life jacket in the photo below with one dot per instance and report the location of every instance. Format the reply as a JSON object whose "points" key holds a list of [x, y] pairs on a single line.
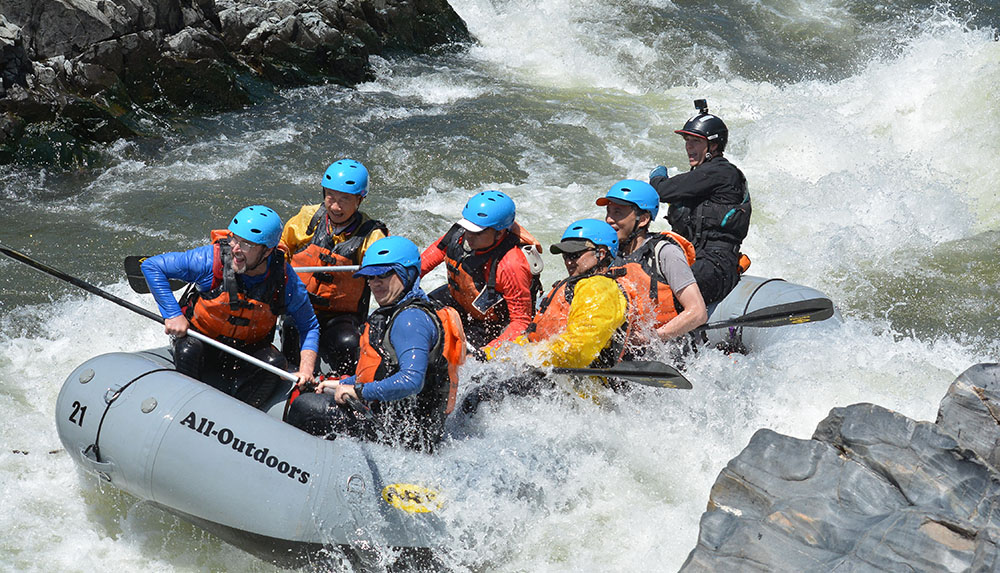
{"points": [[550, 320], [472, 273], [651, 299], [379, 360], [228, 311], [336, 292]]}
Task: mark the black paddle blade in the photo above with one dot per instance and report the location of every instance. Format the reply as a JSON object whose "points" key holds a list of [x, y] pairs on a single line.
{"points": [[647, 373], [812, 310], [799, 312], [137, 280]]}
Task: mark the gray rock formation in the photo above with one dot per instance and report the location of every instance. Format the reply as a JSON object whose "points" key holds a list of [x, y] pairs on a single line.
{"points": [[79, 72], [871, 491]]}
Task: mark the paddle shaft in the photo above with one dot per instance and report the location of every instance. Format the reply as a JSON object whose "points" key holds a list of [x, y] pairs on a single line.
{"points": [[139, 310], [341, 269], [133, 272]]}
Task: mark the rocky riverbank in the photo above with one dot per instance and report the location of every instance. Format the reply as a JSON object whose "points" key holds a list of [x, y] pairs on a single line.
{"points": [[871, 491], [75, 75]]}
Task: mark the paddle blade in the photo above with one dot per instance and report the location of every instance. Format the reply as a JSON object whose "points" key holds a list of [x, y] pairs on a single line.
{"points": [[812, 310], [647, 373], [799, 312], [137, 280]]}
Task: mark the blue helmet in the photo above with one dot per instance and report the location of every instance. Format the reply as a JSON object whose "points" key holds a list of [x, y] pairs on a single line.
{"points": [[258, 224], [346, 176], [488, 209], [389, 253], [593, 230], [638, 193]]}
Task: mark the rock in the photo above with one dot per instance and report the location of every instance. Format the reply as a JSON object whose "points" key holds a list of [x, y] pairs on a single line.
{"points": [[87, 66], [971, 411], [14, 62], [871, 491]]}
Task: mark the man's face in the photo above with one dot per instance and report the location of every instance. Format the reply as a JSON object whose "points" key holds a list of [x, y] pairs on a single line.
{"points": [[696, 148], [624, 218], [386, 288], [581, 262], [246, 254], [341, 206], [482, 240]]}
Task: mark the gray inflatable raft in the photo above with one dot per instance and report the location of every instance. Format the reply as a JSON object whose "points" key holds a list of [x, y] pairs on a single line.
{"points": [[761, 294], [238, 472]]}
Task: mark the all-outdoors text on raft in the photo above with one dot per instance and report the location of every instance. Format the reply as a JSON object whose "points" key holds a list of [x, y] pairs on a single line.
{"points": [[226, 437]]}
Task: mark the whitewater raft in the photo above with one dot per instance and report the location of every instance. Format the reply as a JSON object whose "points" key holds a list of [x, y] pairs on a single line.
{"points": [[261, 484], [238, 472]]}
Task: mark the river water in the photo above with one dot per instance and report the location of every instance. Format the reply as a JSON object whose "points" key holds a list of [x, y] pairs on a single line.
{"points": [[869, 134]]}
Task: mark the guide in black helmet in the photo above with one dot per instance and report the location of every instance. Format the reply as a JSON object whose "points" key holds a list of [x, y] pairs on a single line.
{"points": [[709, 205]]}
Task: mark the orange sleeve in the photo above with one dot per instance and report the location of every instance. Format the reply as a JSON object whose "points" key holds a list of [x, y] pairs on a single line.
{"points": [[514, 283], [431, 257]]}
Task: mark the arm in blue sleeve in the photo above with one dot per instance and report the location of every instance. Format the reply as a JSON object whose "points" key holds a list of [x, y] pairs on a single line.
{"points": [[413, 336], [194, 266], [301, 310]]}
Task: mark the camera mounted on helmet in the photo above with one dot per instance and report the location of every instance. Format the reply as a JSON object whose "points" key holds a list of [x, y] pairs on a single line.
{"points": [[706, 126]]}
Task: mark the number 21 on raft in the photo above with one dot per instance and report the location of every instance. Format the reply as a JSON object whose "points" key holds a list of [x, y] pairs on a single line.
{"points": [[411, 498]]}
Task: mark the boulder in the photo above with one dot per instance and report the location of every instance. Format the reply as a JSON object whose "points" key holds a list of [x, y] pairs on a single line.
{"points": [[14, 63], [91, 67], [871, 491]]}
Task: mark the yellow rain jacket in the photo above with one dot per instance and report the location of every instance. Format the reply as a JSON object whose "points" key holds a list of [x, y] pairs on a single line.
{"points": [[578, 319], [297, 234]]}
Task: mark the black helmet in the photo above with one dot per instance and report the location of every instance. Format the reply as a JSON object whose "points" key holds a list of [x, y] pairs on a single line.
{"points": [[706, 125]]}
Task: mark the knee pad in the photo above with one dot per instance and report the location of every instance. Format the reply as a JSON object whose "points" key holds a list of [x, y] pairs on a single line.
{"points": [[313, 413], [341, 342], [189, 356]]}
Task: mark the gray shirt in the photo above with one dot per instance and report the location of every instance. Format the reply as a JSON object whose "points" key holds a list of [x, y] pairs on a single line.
{"points": [[673, 266]]}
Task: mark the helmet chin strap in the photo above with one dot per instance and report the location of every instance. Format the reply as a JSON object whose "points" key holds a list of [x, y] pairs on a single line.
{"points": [[261, 260], [633, 236]]}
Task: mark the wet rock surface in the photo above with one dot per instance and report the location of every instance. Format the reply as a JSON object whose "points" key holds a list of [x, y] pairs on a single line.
{"points": [[871, 491], [75, 73]]}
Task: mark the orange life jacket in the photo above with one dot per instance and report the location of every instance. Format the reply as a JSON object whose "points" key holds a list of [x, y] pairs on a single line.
{"points": [[472, 273], [336, 292], [379, 360], [228, 311], [650, 297], [550, 320]]}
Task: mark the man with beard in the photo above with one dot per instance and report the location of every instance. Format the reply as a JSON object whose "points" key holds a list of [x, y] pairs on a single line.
{"points": [[241, 284]]}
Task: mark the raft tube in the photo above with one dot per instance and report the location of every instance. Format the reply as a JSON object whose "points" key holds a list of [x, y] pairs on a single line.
{"points": [[238, 472], [755, 293]]}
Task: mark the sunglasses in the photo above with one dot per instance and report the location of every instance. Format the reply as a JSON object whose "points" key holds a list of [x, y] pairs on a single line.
{"points": [[574, 256], [382, 276], [244, 245]]}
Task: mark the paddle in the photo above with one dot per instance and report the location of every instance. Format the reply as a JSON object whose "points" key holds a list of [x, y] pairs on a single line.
{"points": [[799, 312], [139, 310], [137, 280], [340, 269], [647, 373]]}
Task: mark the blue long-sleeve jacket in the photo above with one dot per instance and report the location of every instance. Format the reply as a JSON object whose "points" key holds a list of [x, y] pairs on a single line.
{"points": [[195, 266], [413, 334]]}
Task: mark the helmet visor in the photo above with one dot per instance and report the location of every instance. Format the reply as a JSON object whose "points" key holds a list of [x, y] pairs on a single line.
{"points": [[570, 246]]}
